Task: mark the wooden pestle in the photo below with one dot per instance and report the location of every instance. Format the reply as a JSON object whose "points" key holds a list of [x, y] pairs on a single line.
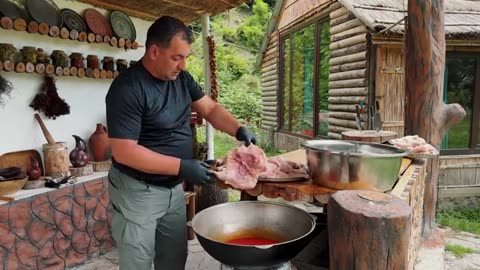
{"points": [[45, 131]]}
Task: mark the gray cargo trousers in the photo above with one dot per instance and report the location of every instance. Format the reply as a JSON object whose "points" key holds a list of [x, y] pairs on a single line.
{"points": [[148, 223]]}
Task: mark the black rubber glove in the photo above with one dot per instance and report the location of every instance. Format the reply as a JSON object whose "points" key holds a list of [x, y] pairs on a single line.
{"points": [[195, 172], [245, 135]]}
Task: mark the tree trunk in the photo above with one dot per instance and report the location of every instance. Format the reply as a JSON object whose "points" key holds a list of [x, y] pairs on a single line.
{"points": [[425, 114], [368, 230]]}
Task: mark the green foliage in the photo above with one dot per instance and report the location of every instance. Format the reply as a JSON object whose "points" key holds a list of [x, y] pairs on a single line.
{"points": [[460, 251], [467, 220], [252, 30]]}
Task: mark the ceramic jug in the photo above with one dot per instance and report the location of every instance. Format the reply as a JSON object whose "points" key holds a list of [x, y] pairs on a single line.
{"points": [[78, 156], [99, 144], [34, 173]]}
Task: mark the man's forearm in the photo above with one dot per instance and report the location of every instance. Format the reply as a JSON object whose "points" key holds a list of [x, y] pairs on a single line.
{"points": [[145, 160], [222, 120]]}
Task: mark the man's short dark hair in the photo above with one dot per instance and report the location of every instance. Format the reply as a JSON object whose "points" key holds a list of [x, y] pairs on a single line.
{"points": [[164, 29]]}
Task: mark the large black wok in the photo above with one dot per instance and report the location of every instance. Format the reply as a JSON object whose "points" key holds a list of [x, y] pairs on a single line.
{"points": [[215, 225]]}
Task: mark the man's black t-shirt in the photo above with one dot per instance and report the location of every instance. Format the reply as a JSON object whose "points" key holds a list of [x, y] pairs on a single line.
{"points": [[155, 113]]}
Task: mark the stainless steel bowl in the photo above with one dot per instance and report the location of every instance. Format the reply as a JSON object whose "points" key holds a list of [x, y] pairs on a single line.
{"points": [[353, 165], [218, 224]]}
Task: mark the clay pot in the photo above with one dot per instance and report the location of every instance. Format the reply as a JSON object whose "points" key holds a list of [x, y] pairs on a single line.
{"points": [[34, 173], [99, 144], [78, 156]]}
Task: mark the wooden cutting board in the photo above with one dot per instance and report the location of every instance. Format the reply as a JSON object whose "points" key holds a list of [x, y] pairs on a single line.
{"points": [[21, 159]]}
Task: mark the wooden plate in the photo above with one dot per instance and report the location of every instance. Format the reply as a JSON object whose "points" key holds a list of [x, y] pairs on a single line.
{"points": [[13, 9], [122, 26], [21, 159], [97, 23], [44, 11], [72, 20]]}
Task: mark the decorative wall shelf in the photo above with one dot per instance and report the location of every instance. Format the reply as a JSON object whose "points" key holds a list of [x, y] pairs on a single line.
{"points": [[63, 33], [58, 71]]}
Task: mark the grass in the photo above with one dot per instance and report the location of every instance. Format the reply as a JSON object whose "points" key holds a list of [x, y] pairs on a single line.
{"points": [[460, 251], [467, 220]]}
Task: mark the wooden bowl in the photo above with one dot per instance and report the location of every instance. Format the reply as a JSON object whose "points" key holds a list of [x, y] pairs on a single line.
{"points": [[12, 186]]}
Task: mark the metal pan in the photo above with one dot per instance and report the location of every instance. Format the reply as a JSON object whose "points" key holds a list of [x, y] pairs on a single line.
{"points": [[44, 11], [14, 9]]}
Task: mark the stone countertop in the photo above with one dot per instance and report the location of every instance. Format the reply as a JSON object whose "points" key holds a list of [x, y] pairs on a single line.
{"points": [[25, 193]]}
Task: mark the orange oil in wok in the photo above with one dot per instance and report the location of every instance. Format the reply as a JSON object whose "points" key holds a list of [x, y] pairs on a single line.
{"points": [[253, 237]]}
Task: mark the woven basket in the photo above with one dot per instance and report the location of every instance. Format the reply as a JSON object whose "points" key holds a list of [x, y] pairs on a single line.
{"points": [[12, 186]]}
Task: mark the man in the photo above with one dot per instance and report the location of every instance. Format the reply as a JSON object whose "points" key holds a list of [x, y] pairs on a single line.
{"points": [[148, 119]]}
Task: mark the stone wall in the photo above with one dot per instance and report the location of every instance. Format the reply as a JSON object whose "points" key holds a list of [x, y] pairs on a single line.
{"points": [[58, 229]]}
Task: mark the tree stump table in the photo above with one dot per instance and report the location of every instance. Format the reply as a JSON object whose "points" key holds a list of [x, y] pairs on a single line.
{"points": [[368, 230]]}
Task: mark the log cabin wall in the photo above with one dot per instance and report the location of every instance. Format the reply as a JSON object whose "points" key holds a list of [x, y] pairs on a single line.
{"points": [[269, 79], [348, 80]]}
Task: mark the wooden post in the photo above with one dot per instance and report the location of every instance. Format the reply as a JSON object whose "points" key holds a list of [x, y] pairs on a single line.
{"points": [[19, 24], [33, 27], [43, 28], [74, 35], [6, 23], [82, 36], [425, 113], [368, 230]]}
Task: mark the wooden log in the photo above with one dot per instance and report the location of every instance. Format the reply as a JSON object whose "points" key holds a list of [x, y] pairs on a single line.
{"points": [[344, 18], [96, 73], [347, 75], [268, 68], [89, 73], [337, 129], [360, 91], [106, 39], [58, 71], [114, 41], [352, 58], [339, 12], [64, 33], [40, 68], [81, 73], [32, 27], [349, 66], [98, 38], [360, 213], [116, 73], [369, 135], [73, 71], [426, 114], [91, 37], [134, 45], [103, 74], [269, 94], [1, 65], [271, 98], [349, 50], [6, 23], [349, 33], [348, 83], [269, 118], [82, 171], [128, 44], [29, 67], [66, 71], [343, 108], [54, 31], [347, 100], [362, 38], [20, 67], [269, 73], [19, 24], [43, 28], [82, 36], [49, 69], [344, 123], [121, 43], [8, 65], [266, 79], [74, 35], [109, 74], [334, 135], [346, 115], [345, 26], [269, 109]]}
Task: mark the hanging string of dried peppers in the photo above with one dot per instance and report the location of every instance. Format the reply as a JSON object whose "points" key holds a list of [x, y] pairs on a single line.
{"points": [[213, 69]]}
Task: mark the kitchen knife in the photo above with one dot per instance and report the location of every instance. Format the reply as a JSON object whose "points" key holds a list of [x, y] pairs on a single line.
{"points": [[377, 120], [357, 118]]}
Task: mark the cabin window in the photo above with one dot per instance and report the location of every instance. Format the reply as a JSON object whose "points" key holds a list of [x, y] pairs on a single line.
{"points": [[304, 89], [462, 85]]}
